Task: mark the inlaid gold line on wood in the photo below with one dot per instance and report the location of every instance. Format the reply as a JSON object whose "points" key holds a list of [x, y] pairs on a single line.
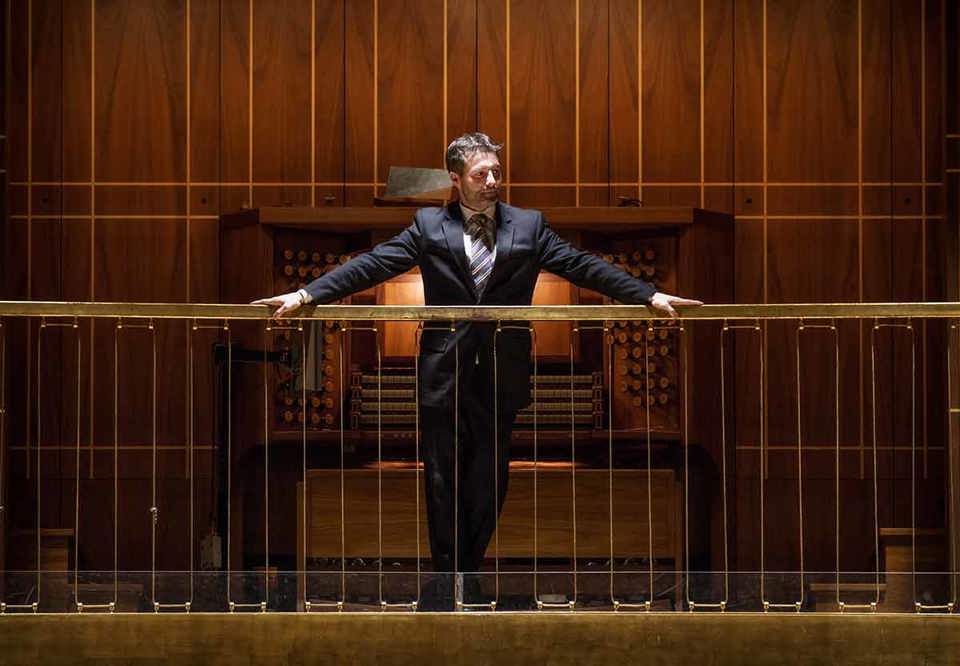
{"points": [[640, 100], [117, 216], [188, 380], [839, 217], [507, 152], [181, 216], [860, 166], [446, 28], [923, 226], [313, 101], [29, 58], [145, 447], [250, 104], [861, 365], [29, 420], [703, 193], [189, 157], [764, 158], [576, 96], [376, 93], [764, 250], [342, 183], [93, 207], [853, 448]]}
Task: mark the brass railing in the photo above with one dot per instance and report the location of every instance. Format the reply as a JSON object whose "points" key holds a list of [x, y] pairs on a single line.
{"points": [[932, 310]]}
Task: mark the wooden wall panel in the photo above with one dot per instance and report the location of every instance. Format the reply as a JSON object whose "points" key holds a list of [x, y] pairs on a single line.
{"points": [[410, 85], [463, 53], [797, 89], [18, 108], [543, 96], [140, 91], [876, 90], [359, 132], [933, 92], [595, 94], [205, 90], [329, 89], [748, 85], [670, 60], [492, 61], [906, 105], [624, 96], [46, 90], [77, 111], [235, 149], [718, 92], [281, 91]]}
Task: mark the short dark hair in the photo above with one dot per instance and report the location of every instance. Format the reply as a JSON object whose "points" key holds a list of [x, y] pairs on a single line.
{"points": [[464, 146]]}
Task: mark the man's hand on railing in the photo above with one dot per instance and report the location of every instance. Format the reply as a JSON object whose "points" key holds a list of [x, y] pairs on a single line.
{"points": [[664, 303], [288, 303]]}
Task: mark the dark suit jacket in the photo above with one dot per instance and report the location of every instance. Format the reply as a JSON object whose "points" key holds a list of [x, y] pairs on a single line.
{"points": [[434, 242]]}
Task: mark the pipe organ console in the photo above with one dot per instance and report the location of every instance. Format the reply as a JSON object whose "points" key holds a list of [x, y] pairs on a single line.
{"points": [[354, 382]]}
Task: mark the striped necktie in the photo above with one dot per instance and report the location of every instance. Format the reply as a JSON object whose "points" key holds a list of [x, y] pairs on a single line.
{"points": [[480, 230]]}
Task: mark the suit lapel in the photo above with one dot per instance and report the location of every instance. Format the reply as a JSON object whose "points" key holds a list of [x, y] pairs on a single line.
{"points": [[453, 234], [504, 245]]}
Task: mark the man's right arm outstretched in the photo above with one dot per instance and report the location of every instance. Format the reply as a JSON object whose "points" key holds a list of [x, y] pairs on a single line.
{"points": [[386, 260]]}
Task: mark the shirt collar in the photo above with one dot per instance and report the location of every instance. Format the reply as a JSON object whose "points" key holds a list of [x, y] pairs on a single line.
{"points": [[467, 212]]}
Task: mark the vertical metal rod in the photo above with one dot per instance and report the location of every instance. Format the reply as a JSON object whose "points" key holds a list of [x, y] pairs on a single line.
{"points": [[76, 489], [263, 604], [618, 605], [458, 601], [40, 332], [229, 402], [953, 568], [266, 478], [309, 604], [692, 604], [3, 427], [832, 328], [649, 438], [416, 454], [154, 509], [303, 398], [796, 605], [496, 464], [376, 344], [841, 604]]}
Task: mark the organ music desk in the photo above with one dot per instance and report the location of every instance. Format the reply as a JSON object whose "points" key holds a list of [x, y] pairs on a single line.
{"points": [[263, 251]]}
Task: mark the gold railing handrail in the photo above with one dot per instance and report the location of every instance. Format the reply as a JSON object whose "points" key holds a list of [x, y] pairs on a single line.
{"points": [[480, 312]]}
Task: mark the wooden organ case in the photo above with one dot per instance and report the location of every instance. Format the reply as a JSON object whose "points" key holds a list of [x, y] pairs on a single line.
{"points": [[616, 376]]}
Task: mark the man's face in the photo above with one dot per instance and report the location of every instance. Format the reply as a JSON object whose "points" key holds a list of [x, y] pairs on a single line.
{"points": [[479, 185]]}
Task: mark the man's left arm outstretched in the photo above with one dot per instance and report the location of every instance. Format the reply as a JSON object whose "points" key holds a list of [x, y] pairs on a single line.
{"points": [[591, 272]]}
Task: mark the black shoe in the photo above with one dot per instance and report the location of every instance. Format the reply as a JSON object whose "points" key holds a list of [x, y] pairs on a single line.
{"points": [[472, 595], [437, 595]]}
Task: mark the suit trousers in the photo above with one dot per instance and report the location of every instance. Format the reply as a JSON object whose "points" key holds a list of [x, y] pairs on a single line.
{"points": [[466, 463]]}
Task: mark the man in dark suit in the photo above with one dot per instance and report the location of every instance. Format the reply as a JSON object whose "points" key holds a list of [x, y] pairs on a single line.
{"points": [[476, 251]]}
